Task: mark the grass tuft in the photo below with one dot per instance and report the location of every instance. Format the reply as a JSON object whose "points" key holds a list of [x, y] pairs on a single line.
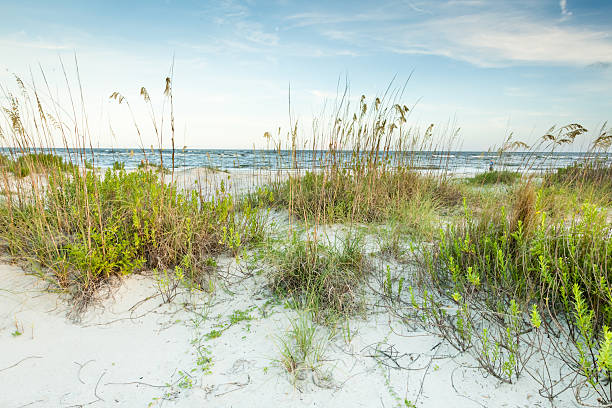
{"points": [[495, 177], [321, 278]]}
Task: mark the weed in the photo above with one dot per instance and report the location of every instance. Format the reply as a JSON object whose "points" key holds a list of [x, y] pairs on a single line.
{"points": [[118, 165]]}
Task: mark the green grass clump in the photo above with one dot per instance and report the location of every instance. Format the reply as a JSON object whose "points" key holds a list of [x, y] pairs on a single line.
{"points": [[322, 278], [84, 228], [495, 177], [117, 165], [379, 194], [25, 164], [302, 347], [591, 175], [146, 165]]}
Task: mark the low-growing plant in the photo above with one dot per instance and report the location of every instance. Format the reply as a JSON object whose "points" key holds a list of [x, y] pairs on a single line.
{"points": [[117, 165], [302, 347], [24, 164], [322, 278], [495, 269], [595, 174], [85, 228], [147, 165]]}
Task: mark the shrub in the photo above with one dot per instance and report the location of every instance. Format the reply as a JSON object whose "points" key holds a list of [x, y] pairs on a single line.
{"points": [[593, 174], [146, 165], [87, 228], [24, 164], [118, 165], [495, 177], [492, 265]]}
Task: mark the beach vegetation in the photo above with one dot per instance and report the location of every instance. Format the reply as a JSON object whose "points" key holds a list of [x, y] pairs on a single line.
{"points": [[302, 347], [79, 229], [22, 165], [494, 177], [324, 278]]}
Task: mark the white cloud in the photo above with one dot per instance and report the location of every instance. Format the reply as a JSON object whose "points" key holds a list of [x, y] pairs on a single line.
{"points": [[255, 33], [565, 14], [493, 40], [498, 37]]}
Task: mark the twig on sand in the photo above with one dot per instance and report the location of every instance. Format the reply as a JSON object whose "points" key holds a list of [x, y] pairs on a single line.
{"points": [[120, 319], [460, 394], [434, 357], [137, 304], [19, 362], [237, 384], [98, 398], [31, 403], [80, 368], [137, 383], [96, 389]]}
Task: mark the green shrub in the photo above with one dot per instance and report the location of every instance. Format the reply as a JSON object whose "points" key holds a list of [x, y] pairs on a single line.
{"points": [[23, 165], [593, 174], [494, 177], [87, 228], [521, 258], [146, 165], [117, 165]]}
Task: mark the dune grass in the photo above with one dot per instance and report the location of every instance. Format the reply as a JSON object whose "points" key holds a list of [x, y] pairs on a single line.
{"points": [[78, 228], [494, 177], [23, 165], [588, 175], [374, 195], [323, 278]]}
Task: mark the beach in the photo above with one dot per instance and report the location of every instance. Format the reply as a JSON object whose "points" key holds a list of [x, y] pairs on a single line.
{"points": [[129, 347]]}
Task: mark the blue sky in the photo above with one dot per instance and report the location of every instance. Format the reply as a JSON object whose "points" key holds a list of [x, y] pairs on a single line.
{"points": [[490, 67]]}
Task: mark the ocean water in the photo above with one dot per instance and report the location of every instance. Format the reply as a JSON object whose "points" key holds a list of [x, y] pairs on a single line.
{"points": [[456, 161]]}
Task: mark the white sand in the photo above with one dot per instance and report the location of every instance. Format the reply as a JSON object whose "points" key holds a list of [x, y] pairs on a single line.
{"points": [[121, 355]]}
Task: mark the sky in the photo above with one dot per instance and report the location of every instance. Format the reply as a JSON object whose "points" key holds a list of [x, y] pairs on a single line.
{"points": [[488, 67]]}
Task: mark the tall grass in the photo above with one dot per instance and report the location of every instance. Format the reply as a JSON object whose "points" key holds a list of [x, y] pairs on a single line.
{"points": [[78, 227], [366, 164], [367, 168]]}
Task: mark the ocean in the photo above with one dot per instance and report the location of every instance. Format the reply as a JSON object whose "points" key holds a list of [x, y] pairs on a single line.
{"points": [[466, 162]]}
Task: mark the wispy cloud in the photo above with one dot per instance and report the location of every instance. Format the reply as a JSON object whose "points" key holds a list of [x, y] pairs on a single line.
{"points": [[494, 39], [565, 14], [472, 31]]}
